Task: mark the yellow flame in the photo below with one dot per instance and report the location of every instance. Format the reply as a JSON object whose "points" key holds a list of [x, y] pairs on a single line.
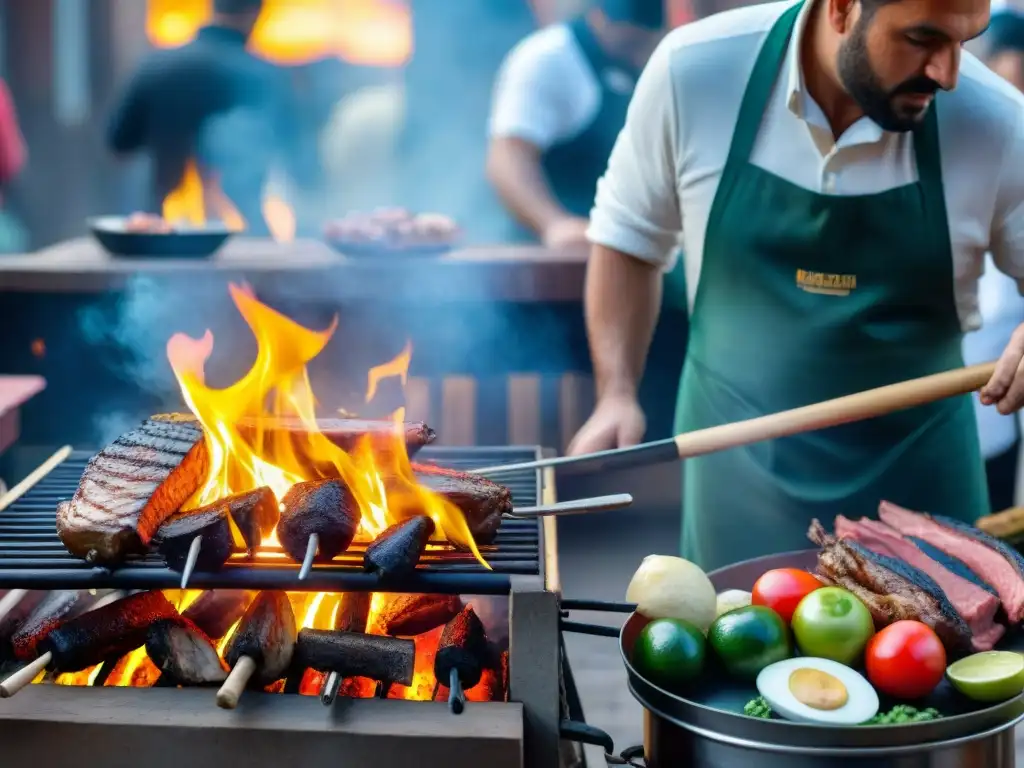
{"points": [[398, 367], [184, 204], [379, 477], [280, 219]]}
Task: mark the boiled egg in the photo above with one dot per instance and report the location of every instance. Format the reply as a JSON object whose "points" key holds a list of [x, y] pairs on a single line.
{"points": [[811, 690]]}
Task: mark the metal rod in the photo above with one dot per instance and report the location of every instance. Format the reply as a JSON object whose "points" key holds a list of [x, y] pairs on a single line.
{"points": [[190, 560], [580, 628], [829, 413], [456, 697], [307, 562], [597, 605], [329, 689], [575, 507]]}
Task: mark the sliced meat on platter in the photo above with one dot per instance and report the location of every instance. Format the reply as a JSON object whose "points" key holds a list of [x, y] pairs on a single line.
{"points": [[891, 589], [975, 605], [994, 561], [130, 487]]}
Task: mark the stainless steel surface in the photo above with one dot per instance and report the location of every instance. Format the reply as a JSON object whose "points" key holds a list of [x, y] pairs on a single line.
{"points": [[709, 736]]}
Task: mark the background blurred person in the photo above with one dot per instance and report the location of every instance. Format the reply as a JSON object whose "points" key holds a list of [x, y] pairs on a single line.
{"points": [[13, 237], [184, 103], [999, 301], [559, 103]]}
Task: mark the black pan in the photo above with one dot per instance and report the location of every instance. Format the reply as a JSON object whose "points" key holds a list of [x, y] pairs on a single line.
{"points": [[183, 243]]}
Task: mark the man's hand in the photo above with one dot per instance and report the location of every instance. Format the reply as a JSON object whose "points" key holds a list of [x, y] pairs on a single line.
{"points": [[1005, 389], [571, 230], [617, 422]]}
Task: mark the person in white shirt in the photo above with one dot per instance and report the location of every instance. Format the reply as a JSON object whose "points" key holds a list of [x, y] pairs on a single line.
{"points": [[559, 103], [999, 302], [837, 170]]}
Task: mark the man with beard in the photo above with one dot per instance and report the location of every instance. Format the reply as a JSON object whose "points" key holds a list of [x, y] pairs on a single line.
{"points": [[837, 170]]}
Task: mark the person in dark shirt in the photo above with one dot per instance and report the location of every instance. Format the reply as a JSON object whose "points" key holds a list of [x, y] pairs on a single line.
{"points": [[212, 101]]}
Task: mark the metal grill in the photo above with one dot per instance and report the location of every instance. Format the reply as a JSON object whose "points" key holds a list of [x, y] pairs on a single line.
{"points": [[33, 557]]}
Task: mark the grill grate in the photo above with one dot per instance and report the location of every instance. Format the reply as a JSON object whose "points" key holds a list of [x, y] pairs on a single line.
{"points": [[33, 557]]}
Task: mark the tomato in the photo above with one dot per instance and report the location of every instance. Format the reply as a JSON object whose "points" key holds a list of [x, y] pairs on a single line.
{"points": [[832, 623], [905, 660], [783, 589]]}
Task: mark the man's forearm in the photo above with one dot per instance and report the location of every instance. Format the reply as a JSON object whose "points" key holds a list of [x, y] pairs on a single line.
{"points": [[623, 299], [514, 168]]}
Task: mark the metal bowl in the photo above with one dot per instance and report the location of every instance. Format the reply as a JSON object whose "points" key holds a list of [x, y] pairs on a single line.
{"points": [[713, 709], [182, 243]]}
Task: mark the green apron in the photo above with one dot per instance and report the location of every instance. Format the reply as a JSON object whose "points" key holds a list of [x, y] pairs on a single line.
{"points": [[805, 297]]}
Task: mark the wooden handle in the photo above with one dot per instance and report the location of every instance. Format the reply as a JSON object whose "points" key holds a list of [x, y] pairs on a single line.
{"points": [[831, 413], [24, 676], [10, 601], [231, 691]]}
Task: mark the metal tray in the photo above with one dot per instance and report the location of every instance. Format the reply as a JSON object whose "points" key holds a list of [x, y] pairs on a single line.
{"points": [[183, 243], [361, 249], [714, 707]]}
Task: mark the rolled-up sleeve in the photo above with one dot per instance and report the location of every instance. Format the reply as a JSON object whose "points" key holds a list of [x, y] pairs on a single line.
{"points": [[637, 207], [1007, 239]]}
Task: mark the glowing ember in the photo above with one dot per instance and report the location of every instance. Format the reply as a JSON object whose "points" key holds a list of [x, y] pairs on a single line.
{"points": [[277, 387]]}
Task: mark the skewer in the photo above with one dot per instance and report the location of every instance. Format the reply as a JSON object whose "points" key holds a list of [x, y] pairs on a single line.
{"points": [[456, 696], [10, 601], [307, 561], [573, 507], [329, 690], [231, 691], [190, 560], [24, 676], [829, 413]]}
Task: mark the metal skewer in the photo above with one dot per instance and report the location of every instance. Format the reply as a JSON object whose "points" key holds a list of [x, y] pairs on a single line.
{"points": [[830, 413], [573, 507], [307, 561], [456, 696], [329, 689], [190, 560]]}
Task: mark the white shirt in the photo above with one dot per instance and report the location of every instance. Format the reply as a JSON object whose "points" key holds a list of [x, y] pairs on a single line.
{"points": [[664, 171], [546, 92]]}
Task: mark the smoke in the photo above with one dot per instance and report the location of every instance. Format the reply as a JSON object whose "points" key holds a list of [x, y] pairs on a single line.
{"points": [[493, 614]]}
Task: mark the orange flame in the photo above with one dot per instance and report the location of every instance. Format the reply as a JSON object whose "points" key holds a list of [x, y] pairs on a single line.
{"points": [[398, 367], [381, 480], [189, 202], [280, 219]]}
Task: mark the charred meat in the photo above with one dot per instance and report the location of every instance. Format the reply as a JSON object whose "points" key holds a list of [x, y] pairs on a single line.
{"points": [[175, 537], [255, 513], [106, 632], [355, 654], [266, 635], [995, 562], [976, 606], [463, 648], [183, 654], [409, 615], [482, 501], [397, 550], [954, 564], [15, 618], [57, 607], [345, 433], [129, 488], [353, 612], [216, 611], [891, 589], [324, 507]]}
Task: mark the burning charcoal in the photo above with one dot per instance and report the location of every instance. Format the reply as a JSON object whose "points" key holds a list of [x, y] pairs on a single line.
{"points": [[398, 549], [354, 654], [57, 607], [322, 507], [175, 537], [353, 612], [462, 652], [409, 615], [482, 501], [215, 612], [255, 513], [112, 630], [266, 635], [184, 654]]}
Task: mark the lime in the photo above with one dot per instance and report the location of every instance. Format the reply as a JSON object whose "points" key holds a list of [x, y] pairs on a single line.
{"points": [[669, 653], [747, 640], [989, 676]]}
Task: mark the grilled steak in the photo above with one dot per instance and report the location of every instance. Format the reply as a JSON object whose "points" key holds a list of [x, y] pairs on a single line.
{"points": [[995, 562], [130, 487], [482, 501], [954, 564], [891, 589], [976, 606]]}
